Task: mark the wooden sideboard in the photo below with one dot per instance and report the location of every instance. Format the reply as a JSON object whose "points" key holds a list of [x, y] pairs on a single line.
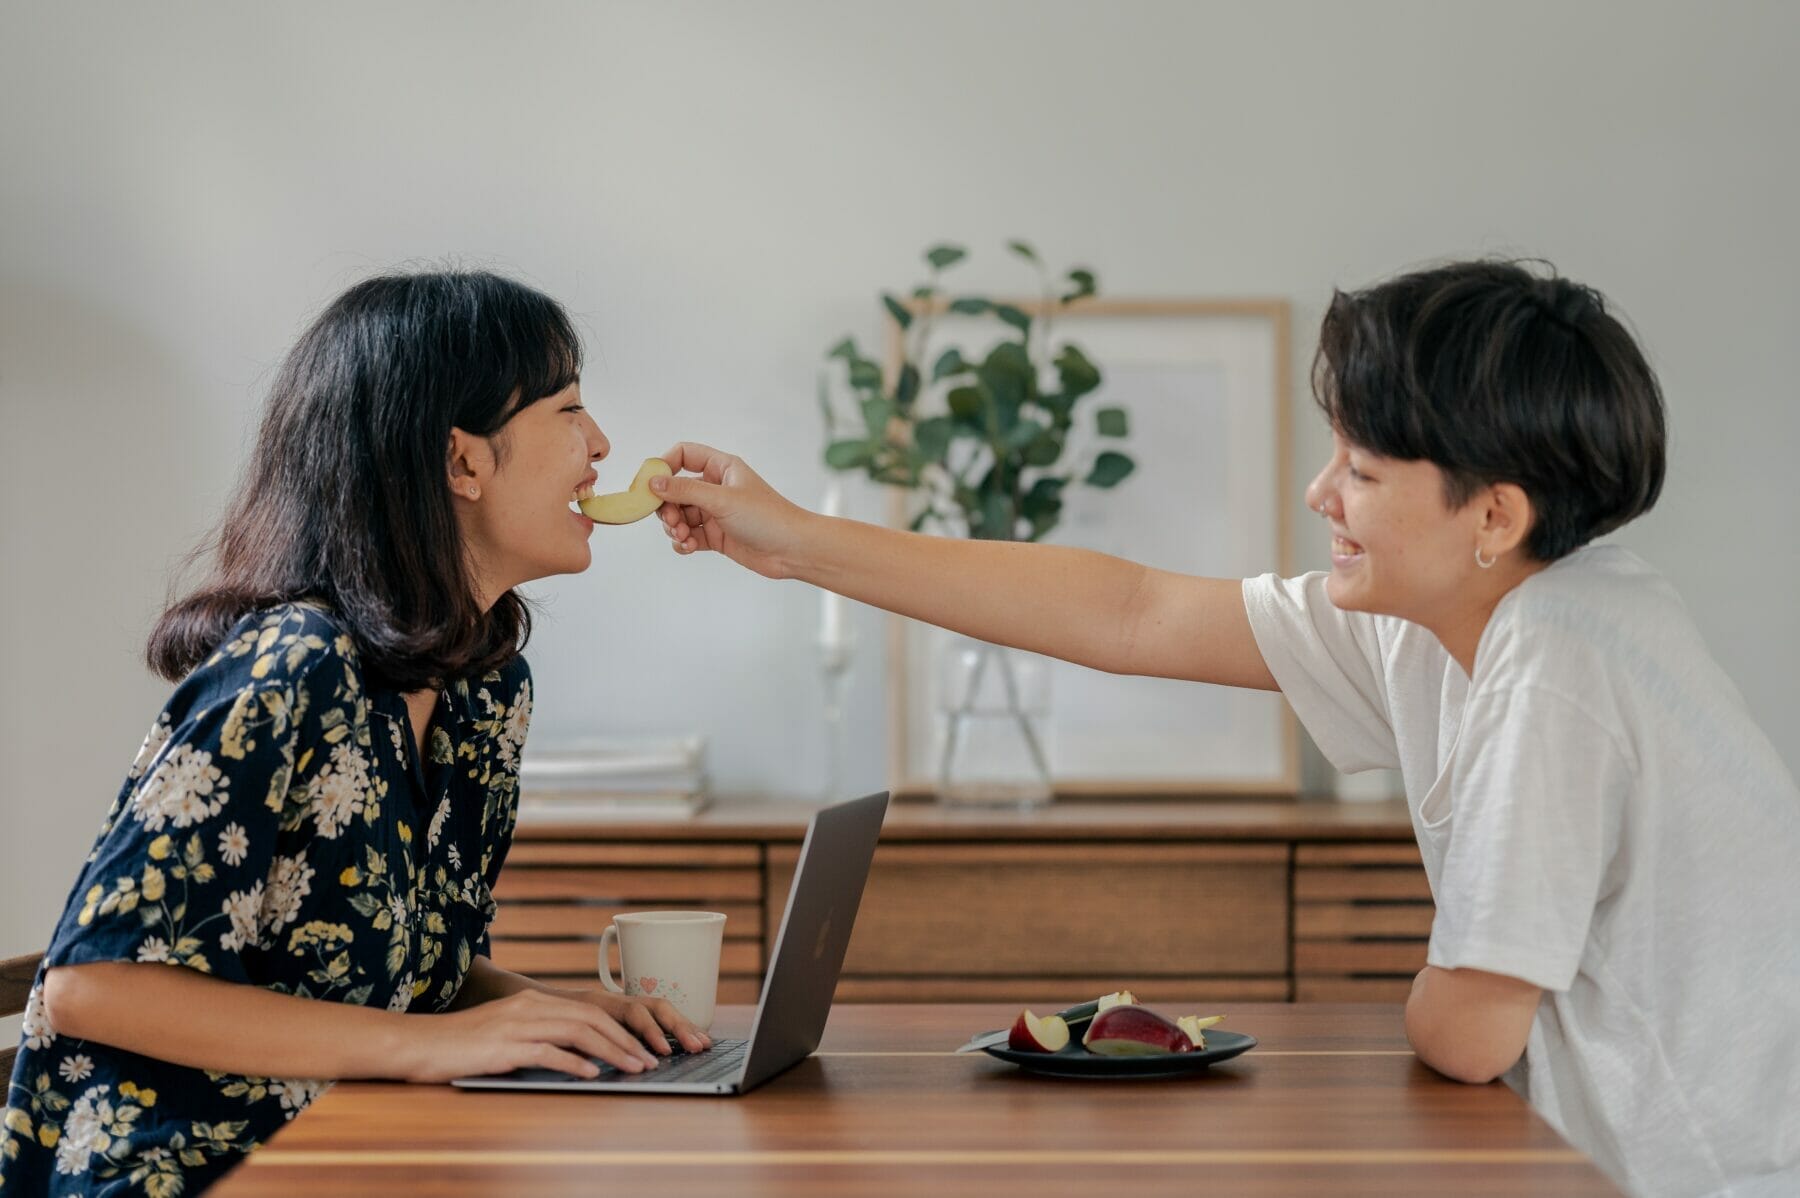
{"points": [[1221, 901]]}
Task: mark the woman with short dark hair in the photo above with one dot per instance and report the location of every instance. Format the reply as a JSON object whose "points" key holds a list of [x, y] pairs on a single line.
{"points": [[1610, 838], [312, 830]]}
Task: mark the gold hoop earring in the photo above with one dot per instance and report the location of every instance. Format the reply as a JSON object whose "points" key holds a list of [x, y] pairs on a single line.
{"points": [[1486, 563]]}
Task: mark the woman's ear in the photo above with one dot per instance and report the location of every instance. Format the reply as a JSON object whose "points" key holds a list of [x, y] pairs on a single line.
{"points": [[471, 464], [1508, 520]]}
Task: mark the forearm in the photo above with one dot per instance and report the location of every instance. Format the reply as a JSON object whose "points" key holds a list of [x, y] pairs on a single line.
{"points": [[1069, 603], [176, 1014]]}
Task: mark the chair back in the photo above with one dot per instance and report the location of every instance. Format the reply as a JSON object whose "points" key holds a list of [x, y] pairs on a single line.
{"points": [[16, 977]]}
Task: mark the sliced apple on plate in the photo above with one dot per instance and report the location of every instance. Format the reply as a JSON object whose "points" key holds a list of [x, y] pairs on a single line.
{"points": [[1195, 1026], [1128, 1030], [623, 507], [1033, 1034], [1118, 998]]}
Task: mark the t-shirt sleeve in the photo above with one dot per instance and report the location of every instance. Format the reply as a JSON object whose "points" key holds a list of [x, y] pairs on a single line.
{"points": [[1328, 664], [1539, 791], [193, 866]]}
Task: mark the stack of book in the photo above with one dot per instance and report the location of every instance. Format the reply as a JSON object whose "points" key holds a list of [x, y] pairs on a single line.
{"points": [[595, 779]]}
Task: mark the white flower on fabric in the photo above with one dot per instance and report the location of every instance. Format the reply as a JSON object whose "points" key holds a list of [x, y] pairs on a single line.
{"points": [[397, 909], [153, 744], [437, 823], [234, 842], [455, 858], [84, 1132], [402, 999], [76, 1068], [38, 1032], [296, 1092], [184, 789], [340, 791], [512, 733], [290, 880], [154, 950], [242, 909]]}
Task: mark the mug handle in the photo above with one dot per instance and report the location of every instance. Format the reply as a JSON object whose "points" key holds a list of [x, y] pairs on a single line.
{"points": [[606, 978]]}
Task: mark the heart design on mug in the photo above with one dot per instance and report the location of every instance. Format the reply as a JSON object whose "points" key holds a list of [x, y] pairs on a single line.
{"points": [[647, 985]]}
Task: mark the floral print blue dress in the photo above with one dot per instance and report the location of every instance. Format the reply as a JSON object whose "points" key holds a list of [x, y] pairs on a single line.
{"points": [[277, 829]]}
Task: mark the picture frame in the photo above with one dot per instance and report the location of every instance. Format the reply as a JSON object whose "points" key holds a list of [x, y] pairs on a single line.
{"points": [[1212, 376]]}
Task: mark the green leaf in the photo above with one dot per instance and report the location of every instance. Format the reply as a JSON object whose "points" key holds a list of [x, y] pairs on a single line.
{"points": [[970, 305], [932, 437], [1016, 317], [847, 455], [941, 256], [949, 362], [1023, 250], [1079, 376], [918, 521], [864, 374], [996, 517], [1008, 376], [907, 389], [1085, 285], [845, 349], [876, 414], [967, 405], [897, 310], [1110, 469], [1022, 434], [1111, 422], [924, 291], [1044, 450]]}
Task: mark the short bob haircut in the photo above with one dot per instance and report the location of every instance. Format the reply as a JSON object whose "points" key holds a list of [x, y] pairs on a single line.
{"points": [[1495, 373], [346, 499]]}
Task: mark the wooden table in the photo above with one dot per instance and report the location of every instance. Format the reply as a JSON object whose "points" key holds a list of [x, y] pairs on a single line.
{"points": [[1330, 1102]]}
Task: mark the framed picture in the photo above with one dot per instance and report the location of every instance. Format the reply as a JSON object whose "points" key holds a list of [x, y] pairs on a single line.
{"points": [[1204, 384]]}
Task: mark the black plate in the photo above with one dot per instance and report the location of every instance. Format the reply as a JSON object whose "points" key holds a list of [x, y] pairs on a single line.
{"points": [[1075, 1061]]}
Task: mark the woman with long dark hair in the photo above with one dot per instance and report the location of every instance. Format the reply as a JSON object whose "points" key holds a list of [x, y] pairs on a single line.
{"points": [[312, 830]]}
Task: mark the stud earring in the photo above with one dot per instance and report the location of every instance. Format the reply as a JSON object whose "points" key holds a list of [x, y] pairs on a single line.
{"points": [[1486, 563]]}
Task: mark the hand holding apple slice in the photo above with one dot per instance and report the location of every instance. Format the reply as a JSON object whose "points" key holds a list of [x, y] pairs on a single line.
{"points": [[623, 507], [1032, 1034]]}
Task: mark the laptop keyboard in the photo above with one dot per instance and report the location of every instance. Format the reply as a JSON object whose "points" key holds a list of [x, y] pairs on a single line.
{"points": [[722, 1060]]}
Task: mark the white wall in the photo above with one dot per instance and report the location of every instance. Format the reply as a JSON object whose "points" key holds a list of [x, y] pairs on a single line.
{"points": [[717, 190]]}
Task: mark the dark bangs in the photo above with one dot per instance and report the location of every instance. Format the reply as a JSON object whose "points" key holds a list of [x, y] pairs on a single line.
{"points": [[346, 498]]}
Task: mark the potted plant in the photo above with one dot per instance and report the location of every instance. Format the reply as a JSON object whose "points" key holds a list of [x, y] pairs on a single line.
{"points": [[987, 462]]}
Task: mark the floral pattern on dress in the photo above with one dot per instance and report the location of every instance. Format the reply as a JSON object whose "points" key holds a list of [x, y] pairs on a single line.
{"points": [[275, 829]]}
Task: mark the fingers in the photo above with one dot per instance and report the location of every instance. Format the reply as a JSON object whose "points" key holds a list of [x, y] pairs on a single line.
{"points": [[639, 1019], [697, 459], [665, 1013], [549, 1056], [595, 1038]]}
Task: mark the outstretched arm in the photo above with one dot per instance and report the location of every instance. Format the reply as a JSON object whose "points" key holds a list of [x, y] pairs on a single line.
{"points": [[1085, 607]]}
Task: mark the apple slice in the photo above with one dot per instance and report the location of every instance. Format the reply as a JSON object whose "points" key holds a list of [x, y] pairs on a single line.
{"points": [[1195, 1025], [1118, 998], [622, 507], [1127, 1030], [1031, 1034]]}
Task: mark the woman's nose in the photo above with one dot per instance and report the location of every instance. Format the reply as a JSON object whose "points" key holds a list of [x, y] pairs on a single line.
{"points": [[598, 445], [1318, 492]]}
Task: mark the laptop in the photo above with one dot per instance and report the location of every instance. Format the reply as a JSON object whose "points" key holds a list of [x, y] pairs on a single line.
{"points": [[796, 993]]}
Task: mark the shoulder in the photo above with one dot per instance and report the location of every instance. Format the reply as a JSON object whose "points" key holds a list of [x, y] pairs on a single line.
{"points": [[288, 647], [1587, 609]]}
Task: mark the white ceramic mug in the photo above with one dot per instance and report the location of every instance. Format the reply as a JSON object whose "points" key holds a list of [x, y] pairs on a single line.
{"points": [[668, 954]]}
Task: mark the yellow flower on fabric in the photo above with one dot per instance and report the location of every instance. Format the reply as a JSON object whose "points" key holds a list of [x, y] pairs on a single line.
{"points": [[17, 1120], [153, 883], [405, 833], [349, 877], [161, 847], [49, 1134]]}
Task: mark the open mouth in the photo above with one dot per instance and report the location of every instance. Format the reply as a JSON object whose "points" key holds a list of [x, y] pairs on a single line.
{"points": [[1343, 549], [584, 491]]}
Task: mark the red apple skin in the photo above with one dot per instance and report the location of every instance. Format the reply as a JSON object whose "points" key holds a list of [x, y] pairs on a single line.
{"points": [[1134, 1032], [1020, 1038]]}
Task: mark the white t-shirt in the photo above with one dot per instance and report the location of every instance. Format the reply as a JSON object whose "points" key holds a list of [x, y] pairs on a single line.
{"points": [[1600, 816]]}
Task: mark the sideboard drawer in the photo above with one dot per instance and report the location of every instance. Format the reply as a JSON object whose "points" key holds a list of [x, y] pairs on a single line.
{"points": [[1065, 910], [1362, 921]]}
